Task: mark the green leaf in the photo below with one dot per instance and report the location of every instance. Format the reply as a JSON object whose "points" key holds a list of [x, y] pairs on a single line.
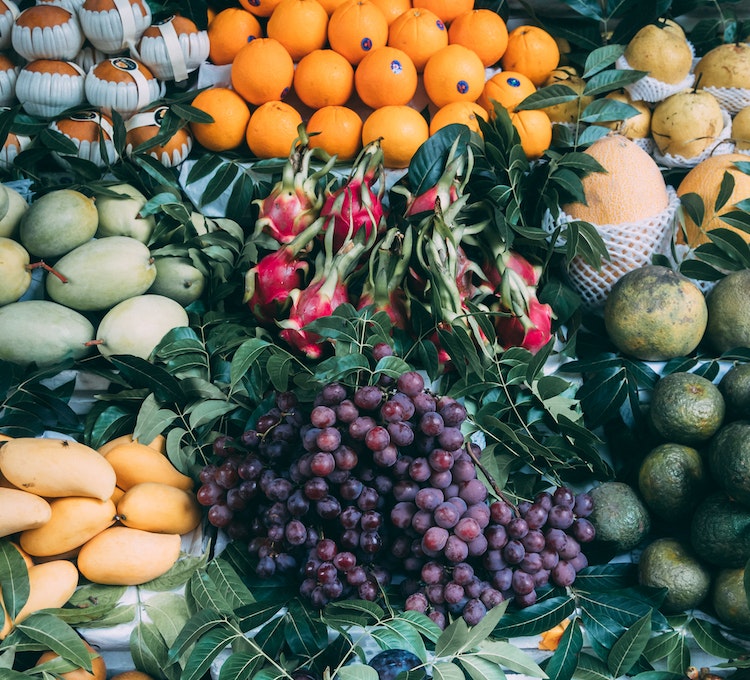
{"points": [[45, 628], [196, 627], [536, 619], [548, 96], [399, 634], [246, 355], [241, 666], [710, 638], [14, 578], [169, 613], [219, 183], [601, 58], [142, 373], [304, 635], [422, 623], [659, 675], [564, 660], [478, 668], [428, 162], [446, 671], [343, 607], [726, 188], [510, 656], [152, 420], [115, 617], [629, 647], [206, 649], [356, 672], [148, 648], [679, 658], [693, 206], [591, 668], [660, 646], [206, 594], [226, 578], [453, 638], [208, 412], [608, 81], [485, 627], [256, 614], [179, 574], [607, 110]]}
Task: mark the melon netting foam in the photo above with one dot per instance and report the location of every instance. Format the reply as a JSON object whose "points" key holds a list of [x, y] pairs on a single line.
{"points": [[650, 89], [630, 245], [733, 99]]}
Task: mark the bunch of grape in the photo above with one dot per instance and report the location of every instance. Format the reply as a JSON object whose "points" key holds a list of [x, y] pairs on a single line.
{"points": [[376, 481]]}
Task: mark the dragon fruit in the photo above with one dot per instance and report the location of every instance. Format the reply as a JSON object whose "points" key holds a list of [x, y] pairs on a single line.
{"points": [[296, 200], [269, 283], [530, 330], [356, 204]]}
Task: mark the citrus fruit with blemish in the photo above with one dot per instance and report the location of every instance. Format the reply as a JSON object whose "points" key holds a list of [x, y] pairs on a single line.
{"points": [[230, 115], [454, 73], [619, 516], [729, 312], [262, 71], [730, 599], [729, 460], [506, 88], [355, 28], [229, 31], [535, 131], [420, 33], [386, 76], [735, 386], [464, 113], [532, 51]]}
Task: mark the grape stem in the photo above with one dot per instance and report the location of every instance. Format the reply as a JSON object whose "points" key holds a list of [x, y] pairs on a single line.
{"points": [[488, 476]]}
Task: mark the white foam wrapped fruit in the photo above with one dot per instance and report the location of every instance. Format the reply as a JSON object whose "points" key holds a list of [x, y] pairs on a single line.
{"points": [[114, 25], [46, 87], [141, 131], [173, 48], [8, 12], [93, 135], [47, 31], [8, 77], [121, 84]]}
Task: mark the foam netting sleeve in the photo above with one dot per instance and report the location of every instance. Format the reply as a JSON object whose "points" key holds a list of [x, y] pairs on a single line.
{"points": [[722, 144], [630, 245], [733, 99], [650, 89]]}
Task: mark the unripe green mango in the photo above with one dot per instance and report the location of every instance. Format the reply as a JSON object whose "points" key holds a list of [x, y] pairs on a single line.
{"points": [[136, 325], [17, 207], [42, 332], [101, 273], [178, 278], [119, 216], [57, 222], [15, 275]]}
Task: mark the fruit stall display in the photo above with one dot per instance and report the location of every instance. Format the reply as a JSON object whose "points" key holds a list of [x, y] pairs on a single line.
{"points": [[344, 339]]}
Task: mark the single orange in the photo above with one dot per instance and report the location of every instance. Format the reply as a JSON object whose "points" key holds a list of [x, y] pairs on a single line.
{"points": [[230, 30], [339, 131], [272, 130], [420, 33], [393, 8], [401, 129], [323, 78], [535, 130], [507, 88], [531, 51], [260, 8], [299, 25], [464, 113], [262, 71], [454, 73], [447, 10], [483, 31], [386, 76], [230, 113], [357, 27]]}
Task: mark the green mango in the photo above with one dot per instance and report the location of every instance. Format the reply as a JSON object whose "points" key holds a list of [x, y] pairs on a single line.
{"points": [[101, 273], [178, 278], [11, 219], [15, 274], [42, 332], [119, 216], [57, 222]]}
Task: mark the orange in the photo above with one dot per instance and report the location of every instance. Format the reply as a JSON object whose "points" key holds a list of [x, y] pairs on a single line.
{"points": [[262, 71], [356, 27], [419, 33], [401, 129], [535, 130], [393, 8], [323, 78], [230, 114], [230, 30], [386, 75], [531, 51], [210, 15], [507, 88], [330, 5], [483, 31], [272, 130], [340, 131], [454, 73], [465, 113], [447, 10], [260, 8], [299, 25]]}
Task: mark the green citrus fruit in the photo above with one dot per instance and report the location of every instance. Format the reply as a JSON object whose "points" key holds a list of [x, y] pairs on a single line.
{"points": [[735, 386], [686, 408], [655, 314], [672, 480], [671, 564], [729, 312], [619, 516], [729, 598], [720, 531], [729, 460]]}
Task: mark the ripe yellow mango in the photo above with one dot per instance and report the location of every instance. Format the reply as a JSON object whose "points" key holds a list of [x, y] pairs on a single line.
{"points": [[26, 557], [51, 585], [121, 556], [154, 506], [56, 467], [20, 510], [159, 443], [74, 520], [135, 463], [117, 495], [98, 666]]}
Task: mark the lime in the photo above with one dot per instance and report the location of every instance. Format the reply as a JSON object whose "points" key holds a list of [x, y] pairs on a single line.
{"points": [[720, 531], [729, 312], [729, 460], [619, 516], [735, 386], [730, 598]]}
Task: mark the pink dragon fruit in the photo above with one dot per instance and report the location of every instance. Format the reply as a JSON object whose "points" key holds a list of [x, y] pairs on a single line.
{"points": [[530, 330], [510, 259], [269, 283], [295, 201], [356, 204]]}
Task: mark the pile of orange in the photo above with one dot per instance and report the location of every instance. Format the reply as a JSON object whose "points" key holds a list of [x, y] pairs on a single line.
{"points": [[358, 70]]}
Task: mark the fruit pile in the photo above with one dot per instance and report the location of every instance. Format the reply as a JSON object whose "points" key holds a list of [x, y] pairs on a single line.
{"points": [[387, 485]]}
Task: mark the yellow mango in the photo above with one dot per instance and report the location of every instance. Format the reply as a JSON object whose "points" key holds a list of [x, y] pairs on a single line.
{"points": [[5, 437], [117, 495], [122, 556], [74, 520], [98, 666], [28, 560], [135, 463], [153, 506], [67, 555], [51, 585], [159, 443], [20, 510], [56, 467]]}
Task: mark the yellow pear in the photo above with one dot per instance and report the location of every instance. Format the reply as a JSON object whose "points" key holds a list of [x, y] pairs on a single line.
{"points": [[686, 123], [635, 127], [727, 65], [567, 112], [661, 51]]}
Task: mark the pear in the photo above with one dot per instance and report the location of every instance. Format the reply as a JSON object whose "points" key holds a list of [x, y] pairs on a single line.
{"points": [[15, 273], [567, 112], [136, 325], [727, 65], [635, 127], [741, 129], [662, 51], [119, 216], [17, 206], [57, 222], [42, 332], [178, 278], [686, 123], [102, 272]]}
